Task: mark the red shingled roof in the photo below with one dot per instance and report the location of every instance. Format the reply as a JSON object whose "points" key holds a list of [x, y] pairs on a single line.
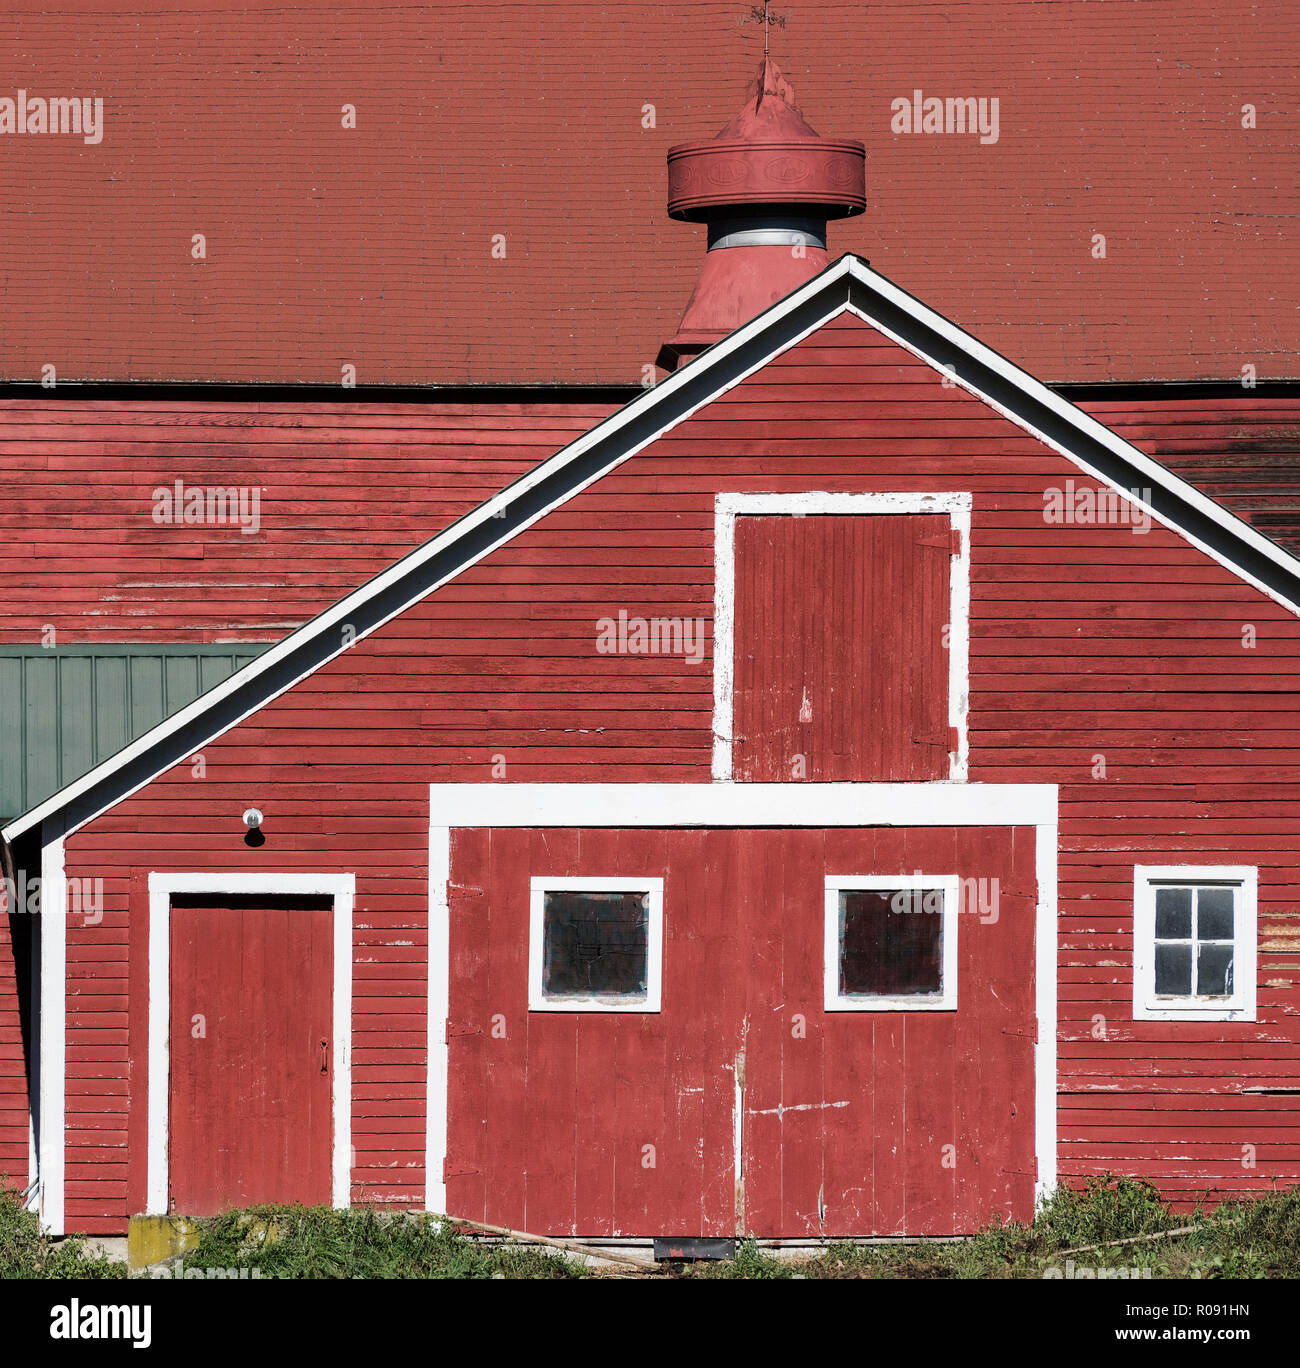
{"points": [[373, 246]]}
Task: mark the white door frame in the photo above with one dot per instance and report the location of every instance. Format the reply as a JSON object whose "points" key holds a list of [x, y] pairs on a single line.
{"points": [[340, 887], [457, 807], [728, 507]]}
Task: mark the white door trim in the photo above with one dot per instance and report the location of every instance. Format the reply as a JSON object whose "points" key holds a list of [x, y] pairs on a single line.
{"points": [[728, 507], [340, 887], [53, 1032], [455, 807]]}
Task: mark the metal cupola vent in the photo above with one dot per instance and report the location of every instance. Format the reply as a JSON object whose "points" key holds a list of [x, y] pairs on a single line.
{"points": [[766, 186]]}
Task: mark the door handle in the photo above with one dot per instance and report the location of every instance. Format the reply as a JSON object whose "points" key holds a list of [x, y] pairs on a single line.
{"points": [[324, 1056]]}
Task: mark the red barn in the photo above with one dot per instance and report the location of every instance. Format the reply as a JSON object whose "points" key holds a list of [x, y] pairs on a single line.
{"points": [[841, 791]]}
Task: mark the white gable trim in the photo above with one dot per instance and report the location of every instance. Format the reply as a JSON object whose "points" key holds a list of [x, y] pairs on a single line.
{"points": [[1153, 470], [847, 285]]}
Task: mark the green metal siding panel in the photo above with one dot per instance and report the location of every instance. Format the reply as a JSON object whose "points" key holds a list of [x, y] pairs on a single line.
{"points": [[112, 728], [40, 757], [63, 711], [12, 705], [180, 681], [148, 702], [76, 711]]}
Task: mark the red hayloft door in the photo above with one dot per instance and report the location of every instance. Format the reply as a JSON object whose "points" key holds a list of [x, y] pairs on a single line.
{"points": [[841, 618], [251, 1053], [843, 1045]]}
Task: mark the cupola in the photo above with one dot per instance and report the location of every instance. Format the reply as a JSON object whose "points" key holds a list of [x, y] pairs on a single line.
{"points": [[766, 186]]}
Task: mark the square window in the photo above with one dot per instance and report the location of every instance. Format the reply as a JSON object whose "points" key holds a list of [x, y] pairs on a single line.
{"points": [[1194, 943], [595, 944], [891, 943]]}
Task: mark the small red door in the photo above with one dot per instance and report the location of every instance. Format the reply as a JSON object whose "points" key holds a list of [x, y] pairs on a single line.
{"points": [[251, 1053]]}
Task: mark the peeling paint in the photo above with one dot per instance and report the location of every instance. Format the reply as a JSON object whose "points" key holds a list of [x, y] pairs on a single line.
{"points": [[739, 1127]]}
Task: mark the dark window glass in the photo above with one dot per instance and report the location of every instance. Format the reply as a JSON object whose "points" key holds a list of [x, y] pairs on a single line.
{"points": [[1213, 970], [1214, 914], [1173, 913], [1174, 969], [595, 944], [889, 943]]}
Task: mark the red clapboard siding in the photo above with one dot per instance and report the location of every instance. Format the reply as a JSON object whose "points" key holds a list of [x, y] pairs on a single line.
{"points": [[343, 490], [346, 488], [1183, 717], [840, 618]]}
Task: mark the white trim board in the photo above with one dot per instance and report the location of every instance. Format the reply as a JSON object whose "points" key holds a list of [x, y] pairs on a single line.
{"points": [[728, 507], [458, 807], [340, 887], [53, 1025], [847, 285]]}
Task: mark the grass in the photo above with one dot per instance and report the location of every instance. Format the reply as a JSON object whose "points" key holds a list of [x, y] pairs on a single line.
{"points": [[1256, 1239], [26, 1253], [318, 1242]]}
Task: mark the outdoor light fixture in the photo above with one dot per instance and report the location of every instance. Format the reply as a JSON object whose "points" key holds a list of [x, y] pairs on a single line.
{"points": [[252, 818]]}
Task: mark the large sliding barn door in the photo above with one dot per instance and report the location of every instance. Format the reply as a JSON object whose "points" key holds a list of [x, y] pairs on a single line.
{"points": [[841, 666], [742, 1105], [251, 1052]]}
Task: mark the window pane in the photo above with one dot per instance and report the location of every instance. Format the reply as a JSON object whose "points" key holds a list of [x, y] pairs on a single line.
{"points": [[1214, 914], [595, 944], [884, 950], [1213, 970], [1173, 913], [1174, 970]]}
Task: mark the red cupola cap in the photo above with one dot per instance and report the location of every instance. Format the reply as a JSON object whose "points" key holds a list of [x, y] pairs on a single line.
{"points": [[766, 186], [767, 155]]}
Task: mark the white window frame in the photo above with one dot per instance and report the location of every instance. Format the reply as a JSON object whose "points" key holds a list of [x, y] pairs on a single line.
{"points": [[946, 1000], [539, 887], [1241, 1005]]}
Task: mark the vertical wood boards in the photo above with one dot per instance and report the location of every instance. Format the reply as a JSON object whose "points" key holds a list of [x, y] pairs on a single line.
{"points": [[841, 670], [251, 1053], [848, 1123]]}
